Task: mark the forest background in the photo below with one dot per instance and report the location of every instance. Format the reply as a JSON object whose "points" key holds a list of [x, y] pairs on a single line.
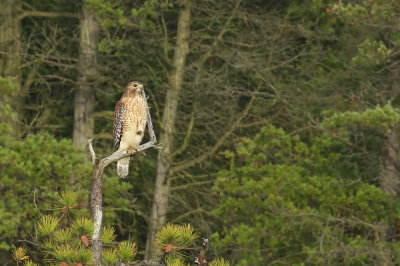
{"points": [[279, 122]]}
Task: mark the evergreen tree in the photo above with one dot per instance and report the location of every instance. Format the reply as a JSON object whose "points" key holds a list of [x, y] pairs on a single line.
{"points": [[314, 201]]}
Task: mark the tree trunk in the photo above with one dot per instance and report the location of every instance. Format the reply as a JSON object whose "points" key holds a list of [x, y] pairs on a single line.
{"points": [[390, 176], [85, 93], [160, 200], [96, 204], [10, 45], [10, 53]]}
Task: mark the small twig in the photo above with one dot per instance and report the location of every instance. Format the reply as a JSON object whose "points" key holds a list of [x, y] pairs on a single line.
{"points": [[34, 202], [187, 137], [36, 233], [62, 216], [30, 242], [153, 138], [92, 154], [321, 242], [31, 234]]}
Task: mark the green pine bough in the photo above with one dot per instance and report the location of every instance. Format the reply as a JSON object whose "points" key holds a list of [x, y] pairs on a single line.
{"points": [[63, 237]]}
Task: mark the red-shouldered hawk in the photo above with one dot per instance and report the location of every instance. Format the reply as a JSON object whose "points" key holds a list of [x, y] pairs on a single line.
{"points": [[130, 118]]}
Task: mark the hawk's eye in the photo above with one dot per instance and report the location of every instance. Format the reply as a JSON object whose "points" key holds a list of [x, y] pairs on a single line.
{"points": [[135, 85]]}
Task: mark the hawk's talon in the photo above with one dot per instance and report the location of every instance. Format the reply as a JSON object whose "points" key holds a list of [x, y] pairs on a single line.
{"points": [[132, 151]]}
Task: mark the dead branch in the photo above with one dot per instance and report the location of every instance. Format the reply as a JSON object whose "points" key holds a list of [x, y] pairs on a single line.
{"points": [[187, 137], [209, 153], [201, 61], [47, 14]]}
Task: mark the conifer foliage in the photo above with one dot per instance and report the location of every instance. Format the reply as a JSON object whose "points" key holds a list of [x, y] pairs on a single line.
{"points": [[64, 238], [291, 201]]}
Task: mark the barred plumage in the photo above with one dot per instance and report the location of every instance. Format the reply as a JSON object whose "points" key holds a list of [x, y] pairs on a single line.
{"points": [[118, 123], [130, 118]]}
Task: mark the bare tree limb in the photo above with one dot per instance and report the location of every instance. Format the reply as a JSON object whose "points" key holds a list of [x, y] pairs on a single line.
{"points": [[187, 137], [185, 186], [92, 153], [165, 46], [30, 242], [209, 153], [47, 14], [34, 202], [187, 214], [201, 61]]}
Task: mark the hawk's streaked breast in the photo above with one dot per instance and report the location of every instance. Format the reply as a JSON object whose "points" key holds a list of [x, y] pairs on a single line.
{"points": [[130, 118]]}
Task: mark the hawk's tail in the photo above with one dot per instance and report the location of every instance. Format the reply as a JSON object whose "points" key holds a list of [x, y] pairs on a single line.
{"points": [[123, 167]]}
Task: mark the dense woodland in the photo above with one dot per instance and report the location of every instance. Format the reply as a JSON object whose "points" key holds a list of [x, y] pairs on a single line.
{"points": [[279, 122]]}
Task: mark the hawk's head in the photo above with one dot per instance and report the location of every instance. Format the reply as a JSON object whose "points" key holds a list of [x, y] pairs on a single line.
{"points": [[134, 86]]}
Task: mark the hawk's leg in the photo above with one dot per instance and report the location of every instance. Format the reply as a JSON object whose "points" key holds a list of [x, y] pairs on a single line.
{"points": [[134, 151]]}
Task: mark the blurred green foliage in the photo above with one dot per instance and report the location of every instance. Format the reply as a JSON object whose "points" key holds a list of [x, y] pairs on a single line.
{"points": [[284, 200], [36, 166]]}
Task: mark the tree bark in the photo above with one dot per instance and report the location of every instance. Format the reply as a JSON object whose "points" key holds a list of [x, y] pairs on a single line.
{"points": [[85, 93], [160, 199], [10, 53], [389, 180], [10, 45], [390, 176], [96, 204]]}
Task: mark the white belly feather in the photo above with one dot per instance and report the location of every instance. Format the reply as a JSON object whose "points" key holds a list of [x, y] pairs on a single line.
{"points": [[131, 139]]}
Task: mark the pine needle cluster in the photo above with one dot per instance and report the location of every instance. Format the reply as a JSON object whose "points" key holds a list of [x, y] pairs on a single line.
{"points": [[64, 235], [173, 239], [64, 238], [219, 262]]}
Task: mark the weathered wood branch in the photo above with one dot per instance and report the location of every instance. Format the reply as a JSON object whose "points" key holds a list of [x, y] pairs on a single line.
{"points": [[185, 143], [205, 56], [47, 14], [218, 144], [96, 199]]}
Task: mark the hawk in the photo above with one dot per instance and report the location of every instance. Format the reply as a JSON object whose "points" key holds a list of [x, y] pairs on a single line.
{"points": [[130, 118]]}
